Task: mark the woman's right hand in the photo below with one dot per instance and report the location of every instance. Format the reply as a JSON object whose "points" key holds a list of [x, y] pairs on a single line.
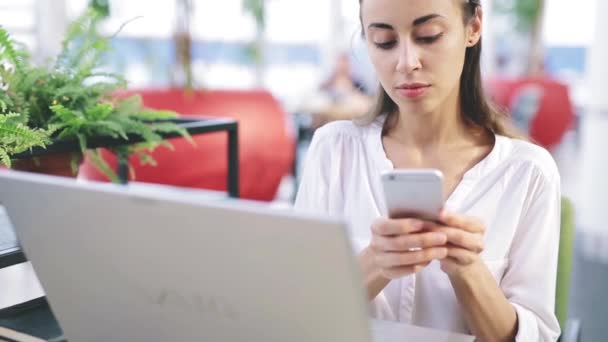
{"points": [[405, 246]]}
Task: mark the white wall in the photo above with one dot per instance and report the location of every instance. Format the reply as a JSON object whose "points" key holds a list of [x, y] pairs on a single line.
{"points": [[569, 23]]}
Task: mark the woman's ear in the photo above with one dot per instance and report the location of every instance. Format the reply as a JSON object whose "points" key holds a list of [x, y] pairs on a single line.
{"points": [[475, 27]]}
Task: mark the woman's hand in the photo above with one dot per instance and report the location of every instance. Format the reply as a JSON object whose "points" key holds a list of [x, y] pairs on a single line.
{"points": [[405, 246], [465, 242]]}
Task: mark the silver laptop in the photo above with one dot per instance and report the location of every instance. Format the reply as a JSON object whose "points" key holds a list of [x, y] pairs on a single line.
{"points": [[122, 264]]}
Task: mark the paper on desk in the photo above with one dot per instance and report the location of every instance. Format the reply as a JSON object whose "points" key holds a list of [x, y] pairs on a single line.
{"points": [[19, 285], [8, 239]]}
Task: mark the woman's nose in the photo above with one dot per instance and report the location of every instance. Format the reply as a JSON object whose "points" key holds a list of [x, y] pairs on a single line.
{"points": [[409, 59]]}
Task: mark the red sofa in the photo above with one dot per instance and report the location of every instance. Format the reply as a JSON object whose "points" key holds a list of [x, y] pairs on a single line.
{"points": [[266, 143]]}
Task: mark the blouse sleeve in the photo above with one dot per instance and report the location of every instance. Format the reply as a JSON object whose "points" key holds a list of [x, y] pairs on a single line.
{"points": [[529, 282], [321, 187], [312, 195]]}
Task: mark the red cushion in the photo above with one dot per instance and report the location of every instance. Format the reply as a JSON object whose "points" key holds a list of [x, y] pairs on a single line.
{"points": [[549, 99], [266, 143]]}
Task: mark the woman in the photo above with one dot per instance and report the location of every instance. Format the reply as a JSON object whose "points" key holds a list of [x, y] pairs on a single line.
{"points": [[489, 269]]}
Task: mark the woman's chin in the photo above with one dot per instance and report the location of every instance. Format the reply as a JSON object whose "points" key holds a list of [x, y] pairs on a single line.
{"points": [[419, 107]]}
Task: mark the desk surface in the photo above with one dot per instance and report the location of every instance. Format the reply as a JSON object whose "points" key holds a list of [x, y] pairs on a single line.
{"points": [[385, 331]]}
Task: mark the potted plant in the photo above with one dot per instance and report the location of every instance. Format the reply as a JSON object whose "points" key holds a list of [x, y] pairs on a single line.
{"points": [[73, 99]]}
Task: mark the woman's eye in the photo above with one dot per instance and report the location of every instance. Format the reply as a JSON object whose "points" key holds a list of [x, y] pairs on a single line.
{"points": [[429, 39], [386, 45]]}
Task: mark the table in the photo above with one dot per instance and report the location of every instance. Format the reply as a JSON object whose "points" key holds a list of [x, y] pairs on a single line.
{"points": [[193, 126]]}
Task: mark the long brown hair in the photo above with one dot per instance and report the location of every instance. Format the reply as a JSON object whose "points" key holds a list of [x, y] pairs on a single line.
{"points": [[474, 105]]}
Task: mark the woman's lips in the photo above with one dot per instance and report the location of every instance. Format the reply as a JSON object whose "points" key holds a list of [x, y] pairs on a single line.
{"points": [[413, 91]]}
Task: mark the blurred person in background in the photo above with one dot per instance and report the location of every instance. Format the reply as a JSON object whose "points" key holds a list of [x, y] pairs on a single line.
{"points": [[342, 84], [489, 266], [341, 96]]}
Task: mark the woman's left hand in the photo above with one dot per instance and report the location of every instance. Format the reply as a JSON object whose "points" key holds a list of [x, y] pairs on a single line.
{"points": [[465, 243]]}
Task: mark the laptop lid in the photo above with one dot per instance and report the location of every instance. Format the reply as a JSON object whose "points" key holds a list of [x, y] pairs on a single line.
{"points": [[119, 264]]}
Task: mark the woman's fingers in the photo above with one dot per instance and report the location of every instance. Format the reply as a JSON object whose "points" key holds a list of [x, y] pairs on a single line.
{"points": [[393, 259], [461, 255], [405, 246], [404, 243], [470, 224], [399, 272], [463, 239], [390, 227]]}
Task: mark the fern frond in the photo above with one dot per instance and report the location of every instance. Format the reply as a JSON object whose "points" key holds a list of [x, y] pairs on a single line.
{"points": [[16, 137], [68, 92], [172, 128], [85, 26], [67, 117], [51, 129], [101, 90], [75, 162], [146, 159], [8, 50], [97, 159], [152, 115], [90, 59], [101, 111], [107, 128], [5, 159], [82, 141], [129, 105], [13, 131], [138, 128]]}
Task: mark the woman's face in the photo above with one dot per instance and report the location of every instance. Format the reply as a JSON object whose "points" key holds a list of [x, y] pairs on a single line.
{"points": [[418, 48]]}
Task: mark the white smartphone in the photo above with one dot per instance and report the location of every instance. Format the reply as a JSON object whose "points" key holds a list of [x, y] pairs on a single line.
{"points": [[413, 193]]}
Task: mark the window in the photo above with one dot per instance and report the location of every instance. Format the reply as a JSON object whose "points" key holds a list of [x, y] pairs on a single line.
{"points": [[18, 17]]}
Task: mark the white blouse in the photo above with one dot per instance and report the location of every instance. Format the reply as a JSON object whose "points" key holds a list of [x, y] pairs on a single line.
{"points": [[515, 191]]}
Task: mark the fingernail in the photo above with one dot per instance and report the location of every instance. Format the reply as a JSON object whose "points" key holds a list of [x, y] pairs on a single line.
{"points": [[441, 238]]}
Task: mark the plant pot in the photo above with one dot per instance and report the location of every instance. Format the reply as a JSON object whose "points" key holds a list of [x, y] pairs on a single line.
{"points": [[53, 164]]}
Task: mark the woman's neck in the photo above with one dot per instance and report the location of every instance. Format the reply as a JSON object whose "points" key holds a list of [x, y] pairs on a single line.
{"points": [[444, 126]]}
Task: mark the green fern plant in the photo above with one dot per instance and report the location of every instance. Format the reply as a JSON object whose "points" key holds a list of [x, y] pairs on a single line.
{"points": [[15, 137], [73, 98]]}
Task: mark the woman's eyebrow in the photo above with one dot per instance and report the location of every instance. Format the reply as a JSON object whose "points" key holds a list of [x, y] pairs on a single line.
{"points": [[380, 26], [416, 22], [424, 19]]}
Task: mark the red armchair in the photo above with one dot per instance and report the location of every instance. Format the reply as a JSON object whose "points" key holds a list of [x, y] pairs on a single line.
{"points": [[266, 143], [540, 106]]}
